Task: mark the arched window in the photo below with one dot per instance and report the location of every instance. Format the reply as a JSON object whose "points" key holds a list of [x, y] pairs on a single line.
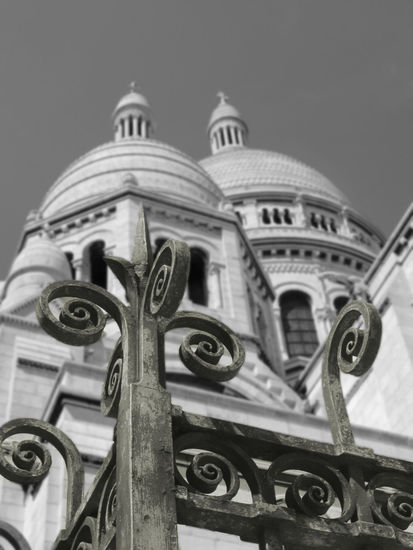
{"points": [[229, 135], [314, 220], [265, 216], [69, 256], [276, 216], [221, 133], [98, 268], [197, 280], [287, 217], [340, 302], [298, 324], [130, 126]]}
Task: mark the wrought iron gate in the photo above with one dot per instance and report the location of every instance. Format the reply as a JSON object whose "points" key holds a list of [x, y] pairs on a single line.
{"points": [[165, 464]]}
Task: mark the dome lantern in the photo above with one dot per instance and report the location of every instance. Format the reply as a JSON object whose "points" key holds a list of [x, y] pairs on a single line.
{"points": [[226, 128], [132, 117]]}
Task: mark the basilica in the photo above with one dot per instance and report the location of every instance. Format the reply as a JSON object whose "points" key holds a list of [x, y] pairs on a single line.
{"points": [[276, 251]]}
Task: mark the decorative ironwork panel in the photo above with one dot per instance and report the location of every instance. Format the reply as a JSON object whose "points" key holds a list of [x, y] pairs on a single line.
{"points": [[167, 466]]}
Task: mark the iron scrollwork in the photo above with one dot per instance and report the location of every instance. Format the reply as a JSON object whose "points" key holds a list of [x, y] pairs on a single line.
{"points": [[30, 460], [314, 492], [154, 290], [396, 504], [219, 461], [351, 350], [211, 465], [211, 338]]}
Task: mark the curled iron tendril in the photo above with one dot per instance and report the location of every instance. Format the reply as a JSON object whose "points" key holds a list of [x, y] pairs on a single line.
{"points": [[220, 461], [13, 536], [206, 472], [112, 385], [353, 351], [106, 517], [314, 492], [81, 321], [210, 340], [167, 279], [318, 495], [395, 507], [30, 460], [85, 537]]}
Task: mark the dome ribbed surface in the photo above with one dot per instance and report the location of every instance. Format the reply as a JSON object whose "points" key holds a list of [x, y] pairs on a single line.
{"points": [[157, 167], [252, 171]]}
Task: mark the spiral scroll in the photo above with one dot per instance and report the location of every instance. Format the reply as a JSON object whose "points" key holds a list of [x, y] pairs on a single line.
{"points": [[106, 517], [111, 388], [206, 472], [353, 351], [219, 462], [85, 538], [30, 460], [167, 279], [81, 320], [314, 492], [211, 338], [395, 507], [13, 536]]}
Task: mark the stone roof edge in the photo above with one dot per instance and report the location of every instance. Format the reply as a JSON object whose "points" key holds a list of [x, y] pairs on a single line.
{"points": [[391, 244]]}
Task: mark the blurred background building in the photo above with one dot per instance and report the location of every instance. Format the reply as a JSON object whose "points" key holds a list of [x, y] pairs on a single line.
{"points": [[276, 251]]}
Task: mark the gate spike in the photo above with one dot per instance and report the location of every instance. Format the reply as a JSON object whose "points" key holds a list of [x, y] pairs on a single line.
{"points": [[142, 250]]}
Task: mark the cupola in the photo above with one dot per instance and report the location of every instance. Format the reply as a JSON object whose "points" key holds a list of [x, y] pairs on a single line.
{"points": [[226, 128], [39, 263], [132, 117]]}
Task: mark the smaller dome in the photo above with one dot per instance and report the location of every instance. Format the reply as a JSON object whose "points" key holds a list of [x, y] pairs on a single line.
{"points": [[39, 263], [226, 127], [132, 117], [132, 99], [223, 110]]}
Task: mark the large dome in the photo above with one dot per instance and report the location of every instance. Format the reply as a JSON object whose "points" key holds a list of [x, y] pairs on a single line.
{"points": [[153, 165], [242, 171]]}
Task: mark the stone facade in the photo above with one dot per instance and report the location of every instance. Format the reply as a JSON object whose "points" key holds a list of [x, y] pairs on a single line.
{"points": [[269, 237]]}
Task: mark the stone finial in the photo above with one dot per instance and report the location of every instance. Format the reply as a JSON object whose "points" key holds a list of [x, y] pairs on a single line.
{"points": [[223, 98]]}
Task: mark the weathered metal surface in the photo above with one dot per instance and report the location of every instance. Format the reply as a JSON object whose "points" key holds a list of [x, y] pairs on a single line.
{"points": [[353, 351], [13, 536], [134, 391], [30, 460], [305, 493], [167, 466]]}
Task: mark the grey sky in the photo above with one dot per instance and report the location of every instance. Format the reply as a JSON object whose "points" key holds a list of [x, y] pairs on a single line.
{"points": [[327, 81]]}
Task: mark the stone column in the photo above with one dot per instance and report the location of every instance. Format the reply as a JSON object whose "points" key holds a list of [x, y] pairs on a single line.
{"points": [[324, 318], [250, 212], [279, 328], [300, 216], [112, 284], [214, 286], [344, 228], [77, 264]]}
